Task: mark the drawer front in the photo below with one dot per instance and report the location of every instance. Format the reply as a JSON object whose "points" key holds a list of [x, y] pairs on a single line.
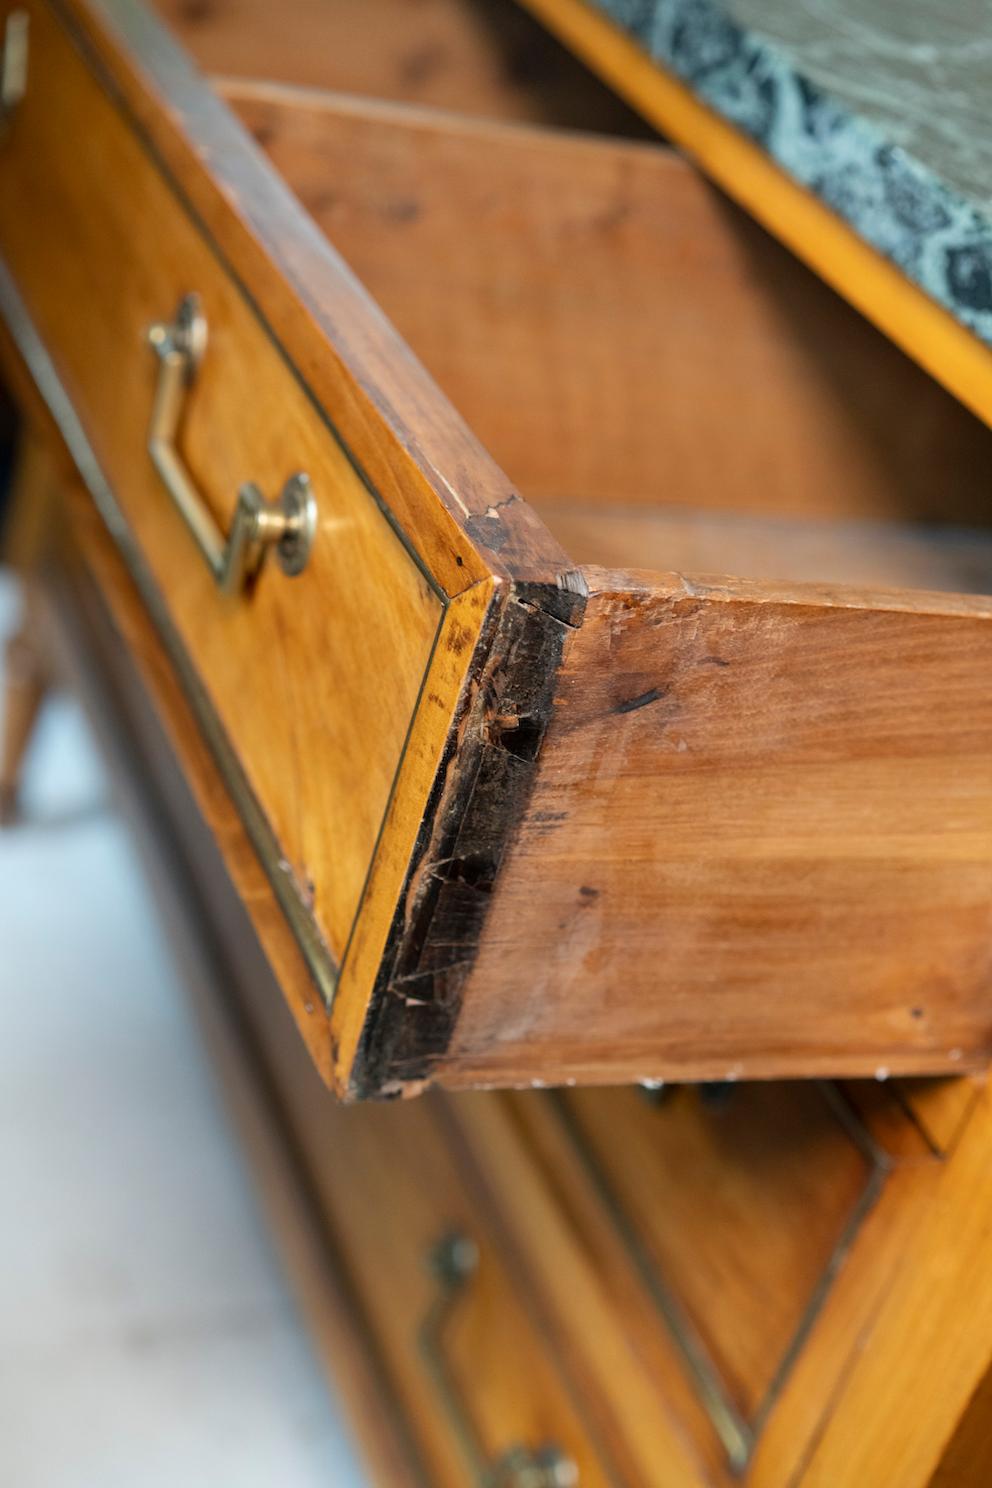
{"points": [[312, 679], [470, 1364], [688, 1249]]}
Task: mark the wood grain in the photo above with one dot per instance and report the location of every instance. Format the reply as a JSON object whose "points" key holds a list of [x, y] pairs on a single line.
{"points": [[476, 56], [746, 828], [389, 1186], [157, 709], [453, 503], [759, 842], [613, 328], [896, 1417], [863, 554], [741, 1203], [314, 679], [555, 1339]]}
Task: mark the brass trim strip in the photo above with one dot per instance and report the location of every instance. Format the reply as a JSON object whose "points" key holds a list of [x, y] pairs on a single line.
{"points": [[319, 960], [452, 1261]]}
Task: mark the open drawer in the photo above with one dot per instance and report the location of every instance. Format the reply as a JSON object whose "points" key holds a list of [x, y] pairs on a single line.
{"points": [[541, 799]]}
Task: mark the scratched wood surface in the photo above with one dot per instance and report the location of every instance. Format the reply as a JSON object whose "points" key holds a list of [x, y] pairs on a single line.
{"points": [[758, 815]]}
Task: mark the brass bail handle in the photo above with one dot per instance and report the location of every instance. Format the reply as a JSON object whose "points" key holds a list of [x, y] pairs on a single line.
{"points": [[287, 524], [13, 63], [452, 1262]]}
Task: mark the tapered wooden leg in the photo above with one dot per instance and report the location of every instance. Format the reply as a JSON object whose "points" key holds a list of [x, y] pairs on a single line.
{"points": [[27, 673], [27, 678]]}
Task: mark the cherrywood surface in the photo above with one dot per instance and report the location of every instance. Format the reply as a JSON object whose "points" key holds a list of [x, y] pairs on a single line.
{"points": [[316, 679], [941, 1107], [758, 815], [906, 1394], [741, 1200], [164, 710], [897, 1249], [743, 830], [608, 1252], [453, 503], [613, 328]]}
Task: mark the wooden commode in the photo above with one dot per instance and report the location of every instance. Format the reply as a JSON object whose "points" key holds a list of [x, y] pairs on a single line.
{"points": [[541, 633]]}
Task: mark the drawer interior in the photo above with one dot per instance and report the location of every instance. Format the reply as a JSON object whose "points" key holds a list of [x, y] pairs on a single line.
{"points": [[479, 57], [663, 381]]}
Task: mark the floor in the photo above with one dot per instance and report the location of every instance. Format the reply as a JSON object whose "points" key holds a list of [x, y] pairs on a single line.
{"points": [[148, 1337]]}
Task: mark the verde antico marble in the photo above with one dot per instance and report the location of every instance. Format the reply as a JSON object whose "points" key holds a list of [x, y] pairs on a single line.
{"points": [[882, 108]]}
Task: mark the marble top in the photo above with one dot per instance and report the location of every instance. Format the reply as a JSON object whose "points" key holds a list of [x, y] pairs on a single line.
{"points": [[883, 108]]}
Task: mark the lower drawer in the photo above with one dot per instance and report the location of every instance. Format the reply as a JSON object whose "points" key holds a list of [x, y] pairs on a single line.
{"points": [[470, 1365]]}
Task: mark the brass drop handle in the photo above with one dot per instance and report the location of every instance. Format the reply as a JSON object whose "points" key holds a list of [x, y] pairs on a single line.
{"points": [[13, 63], [453, 1261], [287, 524]]}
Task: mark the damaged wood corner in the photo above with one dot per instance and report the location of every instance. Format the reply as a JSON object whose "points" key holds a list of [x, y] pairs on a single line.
{"points": [[480, 794]]}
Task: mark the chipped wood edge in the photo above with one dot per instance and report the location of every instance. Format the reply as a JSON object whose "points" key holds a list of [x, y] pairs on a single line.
{"points": [[480, 789]]}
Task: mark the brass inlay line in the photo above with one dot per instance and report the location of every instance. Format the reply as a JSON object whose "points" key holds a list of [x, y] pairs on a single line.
{"points": [[452, 1262], [737, 1434]]}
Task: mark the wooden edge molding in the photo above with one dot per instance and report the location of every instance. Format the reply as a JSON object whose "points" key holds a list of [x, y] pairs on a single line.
{"points": [[451, 500], [876, 287]]}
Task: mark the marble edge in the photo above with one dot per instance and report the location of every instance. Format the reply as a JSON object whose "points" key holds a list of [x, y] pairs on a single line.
{"points": [[939, 238]]}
